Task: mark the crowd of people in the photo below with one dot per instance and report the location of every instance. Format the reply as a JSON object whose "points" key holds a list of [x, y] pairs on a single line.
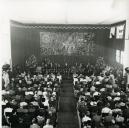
{"points": [[48, 66], [30, 95], [29, 98], [102, 97]]}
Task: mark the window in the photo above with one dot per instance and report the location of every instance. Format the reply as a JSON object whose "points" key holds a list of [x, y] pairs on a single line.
{"points": [[119, 56], [122, 57]]}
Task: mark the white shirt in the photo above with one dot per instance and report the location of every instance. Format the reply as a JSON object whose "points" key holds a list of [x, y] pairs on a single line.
{"points": [[59, 77], [47, 126], [46, 103], [45, 94], [86, 118]]}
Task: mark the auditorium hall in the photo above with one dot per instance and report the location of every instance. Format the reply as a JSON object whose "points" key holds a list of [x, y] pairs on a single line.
{"points": [[64, 63]]}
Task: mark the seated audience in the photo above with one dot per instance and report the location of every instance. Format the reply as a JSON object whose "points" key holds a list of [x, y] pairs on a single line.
{"points": [[30, 98], [30, 95], [102, 97]]}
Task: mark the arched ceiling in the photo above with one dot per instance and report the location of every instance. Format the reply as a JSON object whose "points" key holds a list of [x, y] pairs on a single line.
{"points": [[65, 11]]}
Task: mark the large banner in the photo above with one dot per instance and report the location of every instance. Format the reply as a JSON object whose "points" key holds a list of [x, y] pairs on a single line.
{"points": [[67, 43], [120, 32]]}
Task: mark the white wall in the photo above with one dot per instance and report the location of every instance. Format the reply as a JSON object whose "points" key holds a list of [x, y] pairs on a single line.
{"points": [[5, 43], [5, 46]]}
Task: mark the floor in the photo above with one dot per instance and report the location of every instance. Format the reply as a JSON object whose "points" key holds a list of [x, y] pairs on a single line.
{"points": [[67, 114]]}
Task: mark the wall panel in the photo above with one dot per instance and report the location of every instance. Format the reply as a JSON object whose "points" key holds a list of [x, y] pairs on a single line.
{"points": [[25, 41]]}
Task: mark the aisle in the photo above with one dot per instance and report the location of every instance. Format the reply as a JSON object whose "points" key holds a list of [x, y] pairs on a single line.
{"points": [[67, 115]]}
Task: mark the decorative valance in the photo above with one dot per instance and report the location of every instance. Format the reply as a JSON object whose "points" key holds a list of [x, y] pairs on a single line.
{"points": [[59, 27]]}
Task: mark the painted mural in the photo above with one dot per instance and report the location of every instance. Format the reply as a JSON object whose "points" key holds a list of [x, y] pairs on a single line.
{"points": [[67, 43]]}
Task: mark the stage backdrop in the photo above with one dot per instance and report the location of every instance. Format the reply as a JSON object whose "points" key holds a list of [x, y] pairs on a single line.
{"points": [[60, 43], [67, 43]]}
